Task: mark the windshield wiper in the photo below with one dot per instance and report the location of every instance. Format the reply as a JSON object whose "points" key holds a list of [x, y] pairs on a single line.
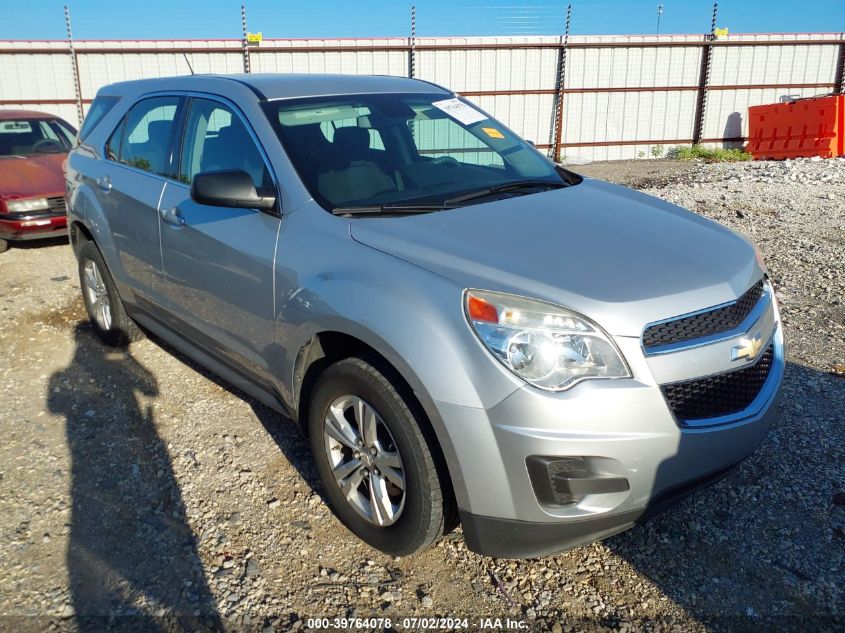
{"points": [[449, 203], [511, 186], [404, 209]]}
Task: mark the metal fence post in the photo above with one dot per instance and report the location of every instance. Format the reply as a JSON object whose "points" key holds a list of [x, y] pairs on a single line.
{"points": [[704, 80], [74, 65], [561, 76], [245, 41], [839, 77], [412, 44]]}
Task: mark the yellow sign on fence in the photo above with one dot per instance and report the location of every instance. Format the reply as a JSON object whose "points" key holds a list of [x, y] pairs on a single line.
{"points": [[720, 33], [254, 38]]}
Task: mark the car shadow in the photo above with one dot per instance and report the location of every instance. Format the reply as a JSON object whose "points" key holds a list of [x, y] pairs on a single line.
{"points": [[132, 558], [284, 431], [747, 552]]}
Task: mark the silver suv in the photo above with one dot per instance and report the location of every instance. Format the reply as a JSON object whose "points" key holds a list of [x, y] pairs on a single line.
{"points": [[465, 331]]}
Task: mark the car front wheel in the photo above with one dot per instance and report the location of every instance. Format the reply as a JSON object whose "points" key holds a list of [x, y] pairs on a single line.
{"points": [[376, 464]]}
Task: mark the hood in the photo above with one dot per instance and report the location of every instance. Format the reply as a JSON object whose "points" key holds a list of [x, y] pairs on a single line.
{"points": [[618, 256], [30, 176]]}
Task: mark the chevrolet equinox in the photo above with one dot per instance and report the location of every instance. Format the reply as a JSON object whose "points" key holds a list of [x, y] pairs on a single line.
{"points": [[465, 331]]}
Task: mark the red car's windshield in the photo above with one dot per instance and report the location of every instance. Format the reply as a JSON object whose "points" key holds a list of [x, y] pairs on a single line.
{"points": [[25, 137]]}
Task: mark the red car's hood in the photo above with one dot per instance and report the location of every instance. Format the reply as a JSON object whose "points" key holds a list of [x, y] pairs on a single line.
{"points": [[30, 176]]}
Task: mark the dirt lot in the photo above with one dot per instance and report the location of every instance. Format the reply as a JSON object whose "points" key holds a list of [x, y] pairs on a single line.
{"points": [[139, 493]]}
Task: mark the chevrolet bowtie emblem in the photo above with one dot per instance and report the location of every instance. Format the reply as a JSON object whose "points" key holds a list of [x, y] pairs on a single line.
{"points": [[748, 349]]}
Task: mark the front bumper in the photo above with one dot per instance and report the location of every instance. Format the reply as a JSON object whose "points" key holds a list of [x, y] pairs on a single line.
{"points": [[508, 538], [33, 226], [621, 429]]}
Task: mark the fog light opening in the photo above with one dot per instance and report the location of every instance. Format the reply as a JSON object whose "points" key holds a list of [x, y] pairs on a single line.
{"points": [[560, 472], [566, 481]]}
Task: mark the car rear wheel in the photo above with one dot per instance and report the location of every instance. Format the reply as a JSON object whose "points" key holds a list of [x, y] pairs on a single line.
{"points": [[104, 306], [4, 246], [377, 467]]}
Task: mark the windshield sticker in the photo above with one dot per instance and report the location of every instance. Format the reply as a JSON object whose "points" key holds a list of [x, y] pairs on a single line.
{"points": [[460, 111], [493, 132]]}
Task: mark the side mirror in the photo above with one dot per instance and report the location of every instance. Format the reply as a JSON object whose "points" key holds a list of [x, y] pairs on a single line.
{"points": [[531, 143], [231, 188]]}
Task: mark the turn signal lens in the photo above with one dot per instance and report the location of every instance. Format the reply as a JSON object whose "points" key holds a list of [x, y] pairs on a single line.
{"points": [[480, 310], [759, 257]]}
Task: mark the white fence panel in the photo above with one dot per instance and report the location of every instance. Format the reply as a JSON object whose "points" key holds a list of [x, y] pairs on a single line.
{"points": [[32, 76], [632, 67], [485, 70], [733, 65], [355, 63]]}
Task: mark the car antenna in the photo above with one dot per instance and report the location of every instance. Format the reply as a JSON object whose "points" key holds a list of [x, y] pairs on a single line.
{"points": [[185, 55]]}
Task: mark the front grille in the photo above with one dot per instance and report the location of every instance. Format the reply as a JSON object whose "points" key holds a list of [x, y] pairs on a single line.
{"points": [[57, 204], [705, 324], [719, 394]]}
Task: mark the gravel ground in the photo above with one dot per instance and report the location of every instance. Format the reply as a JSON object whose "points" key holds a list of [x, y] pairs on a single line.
{"points": [[138, 492]]}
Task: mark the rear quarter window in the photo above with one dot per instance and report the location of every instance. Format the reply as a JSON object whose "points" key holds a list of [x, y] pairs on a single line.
{"points": [[99, 108]]}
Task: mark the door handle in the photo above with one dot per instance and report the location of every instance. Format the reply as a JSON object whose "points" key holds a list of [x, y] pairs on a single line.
{"points": [[173, 217], [104, 183]]}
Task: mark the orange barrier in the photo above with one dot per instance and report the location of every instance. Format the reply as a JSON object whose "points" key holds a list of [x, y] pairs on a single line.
{"points": [[803, 128]]}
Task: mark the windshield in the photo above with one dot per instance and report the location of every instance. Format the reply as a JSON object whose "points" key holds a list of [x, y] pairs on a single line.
{"points": [[403, 149], [25, 137]]}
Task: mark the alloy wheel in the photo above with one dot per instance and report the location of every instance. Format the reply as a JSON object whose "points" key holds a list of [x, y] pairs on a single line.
{"points": [[365, 460], [98, 296]]}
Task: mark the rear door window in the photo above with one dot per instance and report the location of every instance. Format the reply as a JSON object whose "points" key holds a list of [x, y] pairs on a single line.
{"points": [[148, 134]]}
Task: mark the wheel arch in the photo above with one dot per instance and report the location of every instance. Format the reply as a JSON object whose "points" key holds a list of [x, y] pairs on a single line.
{"points": [[329, 346], [87, 219], [79, 233]]}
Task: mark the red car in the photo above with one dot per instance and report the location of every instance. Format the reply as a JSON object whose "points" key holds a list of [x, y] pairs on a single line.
{"points": [[33, 148]]}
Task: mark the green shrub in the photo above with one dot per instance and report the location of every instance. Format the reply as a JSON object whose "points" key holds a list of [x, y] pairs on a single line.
{"points": [[708, 154]]}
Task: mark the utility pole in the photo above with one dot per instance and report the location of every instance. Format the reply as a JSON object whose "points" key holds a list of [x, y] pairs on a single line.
{"points": [[659, 13]]}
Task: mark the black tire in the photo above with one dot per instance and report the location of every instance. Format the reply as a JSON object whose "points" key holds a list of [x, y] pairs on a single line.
{"points": [[4, 246], [123, 329], [429, 506]]}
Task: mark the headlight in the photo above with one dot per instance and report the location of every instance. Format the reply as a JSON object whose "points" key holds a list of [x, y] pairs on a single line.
{"points": [[546, 345], [29, 204]]}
